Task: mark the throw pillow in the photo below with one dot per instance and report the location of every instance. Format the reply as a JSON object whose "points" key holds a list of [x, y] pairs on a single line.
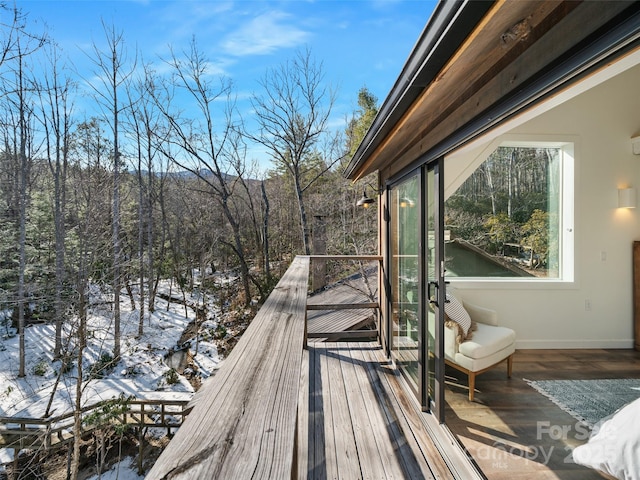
{"points": [[456, 312]]}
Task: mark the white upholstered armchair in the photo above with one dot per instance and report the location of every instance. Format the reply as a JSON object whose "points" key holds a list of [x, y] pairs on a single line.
{"points": [[480, 346]]}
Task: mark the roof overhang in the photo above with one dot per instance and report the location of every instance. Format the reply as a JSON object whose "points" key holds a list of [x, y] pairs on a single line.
{"points": [[478, 63]]}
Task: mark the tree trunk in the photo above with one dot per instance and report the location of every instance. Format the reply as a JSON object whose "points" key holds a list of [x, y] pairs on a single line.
{"points": [[492, 191], [510, 175], [265, 234], [239, 249], [60, 255], [141, 265], [116, 259], [303, 215], [24, 178], [77, 413], [150, 271]]}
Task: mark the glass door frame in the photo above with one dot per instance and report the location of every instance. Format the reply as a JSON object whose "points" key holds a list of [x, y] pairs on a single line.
{"points": [[435, 402], [398, 322]]}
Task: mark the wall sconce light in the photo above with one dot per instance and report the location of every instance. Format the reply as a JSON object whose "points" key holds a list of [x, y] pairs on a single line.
{"points": [[627, 197], [364, 202]]}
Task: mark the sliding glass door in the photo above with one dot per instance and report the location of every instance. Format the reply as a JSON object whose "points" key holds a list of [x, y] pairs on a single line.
{"points": [[405, 279], [417, 284]]}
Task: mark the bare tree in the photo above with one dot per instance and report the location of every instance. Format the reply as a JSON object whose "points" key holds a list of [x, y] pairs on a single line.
{"points": [[25, 166], [265, 233], [204, 151], [113, 74], [55, 116], [18, 95], [146, 130], [293, 113], [89, 204]]}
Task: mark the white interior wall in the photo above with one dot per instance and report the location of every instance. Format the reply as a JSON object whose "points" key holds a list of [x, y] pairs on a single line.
{"points": [[596, 310]]}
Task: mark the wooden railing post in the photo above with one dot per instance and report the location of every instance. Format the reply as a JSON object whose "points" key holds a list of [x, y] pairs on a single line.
{"points": [[319, 265], [141, 440]]}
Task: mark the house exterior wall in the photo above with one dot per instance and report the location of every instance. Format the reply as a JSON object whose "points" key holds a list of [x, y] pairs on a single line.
{"points": [[596, 309]]}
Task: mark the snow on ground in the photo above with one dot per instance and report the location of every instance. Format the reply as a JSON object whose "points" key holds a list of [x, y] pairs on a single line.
{"points": [[124, 470], [142, 371]]}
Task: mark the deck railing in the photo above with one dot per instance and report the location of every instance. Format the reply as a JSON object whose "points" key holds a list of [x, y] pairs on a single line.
{"points": [[34, 433], [244, 419], [366, 301]]}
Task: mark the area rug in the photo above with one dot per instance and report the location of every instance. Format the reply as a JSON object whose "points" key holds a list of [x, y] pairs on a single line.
{"points": [[589, 400]]}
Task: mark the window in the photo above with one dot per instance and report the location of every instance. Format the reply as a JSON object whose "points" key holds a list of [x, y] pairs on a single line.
{"points": [[512, 217]]}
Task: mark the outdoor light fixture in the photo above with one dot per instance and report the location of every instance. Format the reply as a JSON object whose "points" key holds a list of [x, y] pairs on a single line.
{"points": [[364, 201], [406, 202], [627, 197]]}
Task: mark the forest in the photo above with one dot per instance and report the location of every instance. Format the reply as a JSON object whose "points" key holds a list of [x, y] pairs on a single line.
{"points": [[147, 189], [116, 185], [509, 207]]}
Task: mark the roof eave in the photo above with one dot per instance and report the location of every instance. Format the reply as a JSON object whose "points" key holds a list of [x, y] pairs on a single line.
{"points": [[446, 30]]}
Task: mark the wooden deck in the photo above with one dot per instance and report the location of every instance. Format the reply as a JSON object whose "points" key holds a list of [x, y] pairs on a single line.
{"points": [[356, 422], [319, 322], [340, 410], [276, 410]]}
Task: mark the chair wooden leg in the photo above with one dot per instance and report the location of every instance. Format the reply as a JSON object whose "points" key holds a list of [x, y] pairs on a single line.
{"points": [[472, 385], [509, 365]]}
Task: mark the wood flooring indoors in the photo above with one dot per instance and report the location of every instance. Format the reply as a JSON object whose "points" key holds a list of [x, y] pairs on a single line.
{"points": [[512, 431]]}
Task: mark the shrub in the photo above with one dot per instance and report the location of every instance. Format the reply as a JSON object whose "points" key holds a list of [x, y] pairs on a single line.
{"points": [[102, 366], [220, 332], [40, 369], [171, 376]]}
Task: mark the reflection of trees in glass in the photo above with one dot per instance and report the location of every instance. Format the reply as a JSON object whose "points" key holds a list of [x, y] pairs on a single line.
{"points": [[511, 199], [407, 194]]}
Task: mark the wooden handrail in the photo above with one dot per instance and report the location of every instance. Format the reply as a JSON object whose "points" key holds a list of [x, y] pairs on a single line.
{"points": [[359, 305], [345, 257], [342, 306], [22, 432], [243, 422]]}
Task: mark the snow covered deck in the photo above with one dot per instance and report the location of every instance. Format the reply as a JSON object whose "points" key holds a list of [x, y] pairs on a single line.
{"points": [[276, 409]]}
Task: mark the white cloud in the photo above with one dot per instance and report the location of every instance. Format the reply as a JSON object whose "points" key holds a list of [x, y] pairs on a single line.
{"points": [[263, 35]]}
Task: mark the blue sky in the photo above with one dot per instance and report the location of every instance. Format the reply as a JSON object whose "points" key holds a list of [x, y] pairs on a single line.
{"points": [[360, 42]]}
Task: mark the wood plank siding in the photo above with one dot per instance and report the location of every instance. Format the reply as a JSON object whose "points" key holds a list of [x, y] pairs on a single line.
{"points": [[513, 47]]}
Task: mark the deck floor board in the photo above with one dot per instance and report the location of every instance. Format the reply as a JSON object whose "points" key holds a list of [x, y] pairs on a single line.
{"points": [[357, 428]]}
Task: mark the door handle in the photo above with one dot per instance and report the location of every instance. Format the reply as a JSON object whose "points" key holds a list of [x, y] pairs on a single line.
{"points": [[432, 300]]}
